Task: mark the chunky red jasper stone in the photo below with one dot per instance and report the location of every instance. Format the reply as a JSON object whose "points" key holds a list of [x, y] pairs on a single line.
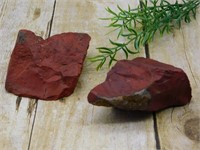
{"points": [[46, 69], [142, 84]]}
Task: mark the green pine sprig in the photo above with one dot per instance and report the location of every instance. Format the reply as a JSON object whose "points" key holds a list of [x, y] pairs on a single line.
{"points": [[138, 26]]}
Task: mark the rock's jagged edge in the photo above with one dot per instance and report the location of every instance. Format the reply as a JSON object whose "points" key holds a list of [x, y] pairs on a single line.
{"points": [[46, 69], [169, 87]]}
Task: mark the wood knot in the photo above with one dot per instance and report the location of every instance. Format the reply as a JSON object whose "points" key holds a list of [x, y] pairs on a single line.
{"points": [[37, 13], [192, 129]]}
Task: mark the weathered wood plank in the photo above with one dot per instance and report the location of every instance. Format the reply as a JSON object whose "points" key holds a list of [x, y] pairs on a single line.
{"points": [[179, 127], [74, 123], [15, 126]]}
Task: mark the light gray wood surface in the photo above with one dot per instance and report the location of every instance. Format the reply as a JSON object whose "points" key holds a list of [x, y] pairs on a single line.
{"points": [[15, 126], [74, 124]]}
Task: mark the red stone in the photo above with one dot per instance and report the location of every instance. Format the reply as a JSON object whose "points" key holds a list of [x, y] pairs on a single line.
{"points": [[46, 69], [142, 84]]}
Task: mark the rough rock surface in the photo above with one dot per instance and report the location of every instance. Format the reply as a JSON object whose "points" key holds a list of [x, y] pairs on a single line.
{"points": [[46, 69], [142, 84]]}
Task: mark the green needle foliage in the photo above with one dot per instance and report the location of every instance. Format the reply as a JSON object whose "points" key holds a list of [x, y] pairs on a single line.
{"points": [[138, 26]]}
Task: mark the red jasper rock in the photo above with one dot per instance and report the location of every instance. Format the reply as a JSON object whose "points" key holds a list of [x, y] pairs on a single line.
{"points": [[46, 69], [142, 84]]}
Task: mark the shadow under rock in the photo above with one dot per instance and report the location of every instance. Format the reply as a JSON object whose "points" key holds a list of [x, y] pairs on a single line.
{"points": [[120, 116]]}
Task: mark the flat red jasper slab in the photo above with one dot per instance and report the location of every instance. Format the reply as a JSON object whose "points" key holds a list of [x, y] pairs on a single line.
{"points": [[46, 69], [142, 84]]}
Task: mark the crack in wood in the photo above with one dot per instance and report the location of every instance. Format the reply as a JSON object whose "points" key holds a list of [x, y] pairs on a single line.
{"points": [[47, 30], [47, 35], [52, 17], [36, 105], [31, 106], [18, 101], [147, 52], [155, 124]]}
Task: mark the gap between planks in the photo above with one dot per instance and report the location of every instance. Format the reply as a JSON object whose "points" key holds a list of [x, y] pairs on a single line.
{"points": [[29, 143], [48, 34], [155, 123]]}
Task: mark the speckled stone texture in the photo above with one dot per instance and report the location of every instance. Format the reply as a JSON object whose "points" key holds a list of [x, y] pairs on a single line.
{"points": [[142, 84], [46, 69]]}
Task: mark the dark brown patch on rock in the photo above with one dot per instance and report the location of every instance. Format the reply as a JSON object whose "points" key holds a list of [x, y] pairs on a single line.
{"points": [[192, 129], [46, 69], [142, 84]]}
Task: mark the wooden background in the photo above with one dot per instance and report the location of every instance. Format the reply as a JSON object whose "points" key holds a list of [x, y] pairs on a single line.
{"points": [[73, 124]]}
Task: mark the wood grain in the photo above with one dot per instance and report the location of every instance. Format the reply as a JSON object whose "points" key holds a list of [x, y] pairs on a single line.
{"points": [[179, 127], [15, 126], [74, 123]]}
